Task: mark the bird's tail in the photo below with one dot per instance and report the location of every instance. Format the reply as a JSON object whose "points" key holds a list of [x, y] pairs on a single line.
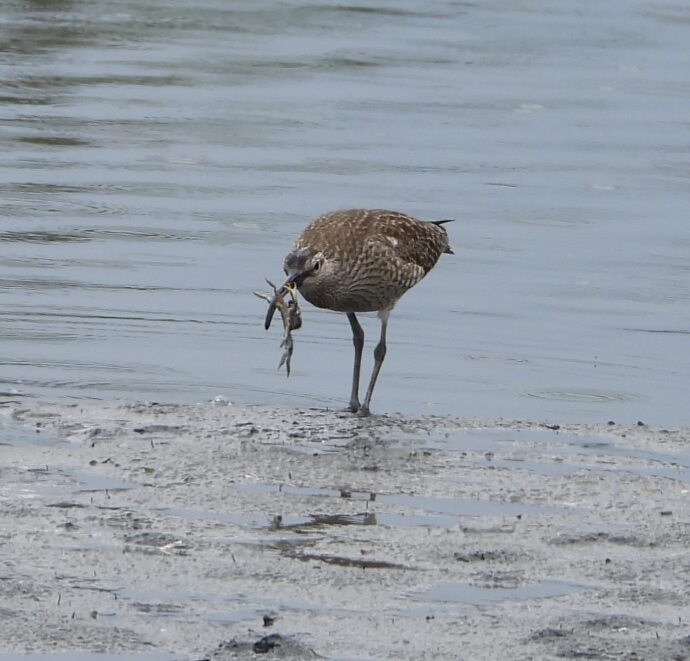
{"points": [[448, 250]]}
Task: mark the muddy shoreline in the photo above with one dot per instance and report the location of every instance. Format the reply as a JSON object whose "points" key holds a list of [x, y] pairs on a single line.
{"points": [[202, 532]]}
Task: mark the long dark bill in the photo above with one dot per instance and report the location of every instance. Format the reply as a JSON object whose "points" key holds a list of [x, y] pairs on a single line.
{"points": [[279, 293]]}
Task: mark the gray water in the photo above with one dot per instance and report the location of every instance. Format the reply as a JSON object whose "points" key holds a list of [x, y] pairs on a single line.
{"points": [[157, 160]]}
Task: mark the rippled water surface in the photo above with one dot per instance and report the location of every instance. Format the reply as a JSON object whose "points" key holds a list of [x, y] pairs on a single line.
{"points": [[158, 159]]}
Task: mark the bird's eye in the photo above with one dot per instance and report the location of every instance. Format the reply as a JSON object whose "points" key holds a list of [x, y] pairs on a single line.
{"points": [[317, 266]]}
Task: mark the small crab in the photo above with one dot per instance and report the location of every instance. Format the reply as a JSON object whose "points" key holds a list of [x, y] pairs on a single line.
{"points": [[290, 314]]}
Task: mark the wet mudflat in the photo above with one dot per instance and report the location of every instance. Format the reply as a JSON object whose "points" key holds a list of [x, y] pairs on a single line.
{"points": [[221, 532]]}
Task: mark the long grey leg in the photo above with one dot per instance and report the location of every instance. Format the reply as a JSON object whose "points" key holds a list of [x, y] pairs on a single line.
{"points": [[358, 341], [379, 355]]}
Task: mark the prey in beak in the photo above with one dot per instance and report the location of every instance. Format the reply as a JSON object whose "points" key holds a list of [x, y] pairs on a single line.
{"points": [[285, 301], [298, 265], [287, 287]]}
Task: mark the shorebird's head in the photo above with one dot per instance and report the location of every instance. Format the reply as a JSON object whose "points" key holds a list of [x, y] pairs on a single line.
{"points": [[303, 267]]}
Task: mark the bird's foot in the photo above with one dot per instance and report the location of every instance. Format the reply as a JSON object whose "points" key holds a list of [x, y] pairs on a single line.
{"points": [[361, 410], [364, 411]]}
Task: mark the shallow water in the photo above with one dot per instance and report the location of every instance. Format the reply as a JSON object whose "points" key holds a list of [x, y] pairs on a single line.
{"points": [[459, 593], [158, 162]]}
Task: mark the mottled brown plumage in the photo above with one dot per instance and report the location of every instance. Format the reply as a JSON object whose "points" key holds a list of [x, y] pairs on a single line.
{"points": [[363, 260]]}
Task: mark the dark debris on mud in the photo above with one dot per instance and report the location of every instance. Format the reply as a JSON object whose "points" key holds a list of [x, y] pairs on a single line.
{"points": [[274, 645]]}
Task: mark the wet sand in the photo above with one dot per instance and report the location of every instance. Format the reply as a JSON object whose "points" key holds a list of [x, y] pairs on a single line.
{"points": [[220, 532]]}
